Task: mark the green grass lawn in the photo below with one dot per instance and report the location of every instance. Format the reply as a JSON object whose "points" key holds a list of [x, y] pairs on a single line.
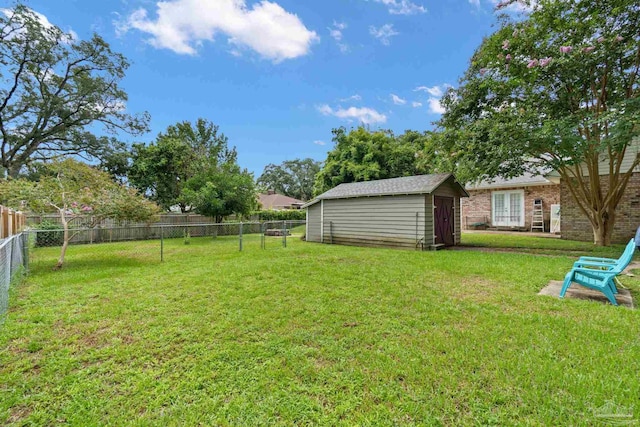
{"points": [[541, 245], [310, 334]]}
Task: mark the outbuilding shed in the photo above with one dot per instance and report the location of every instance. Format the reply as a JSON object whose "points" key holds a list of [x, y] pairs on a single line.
{"points": [[414, 212]]}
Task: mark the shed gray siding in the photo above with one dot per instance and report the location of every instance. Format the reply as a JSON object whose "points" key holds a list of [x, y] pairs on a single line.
{"points": [[447, 189], [375, 221], [313, 223], [429, 229]]}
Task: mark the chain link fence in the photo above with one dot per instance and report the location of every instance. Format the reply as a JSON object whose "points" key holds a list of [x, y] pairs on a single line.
{"points": [[14, 262], [147, 243], [248, 234]]}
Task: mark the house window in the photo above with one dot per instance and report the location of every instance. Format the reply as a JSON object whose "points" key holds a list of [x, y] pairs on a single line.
{"points": [[507, 208]]}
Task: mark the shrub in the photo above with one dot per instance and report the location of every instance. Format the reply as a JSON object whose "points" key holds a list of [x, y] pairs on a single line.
{"points": [[287, 215], [44, 237]]}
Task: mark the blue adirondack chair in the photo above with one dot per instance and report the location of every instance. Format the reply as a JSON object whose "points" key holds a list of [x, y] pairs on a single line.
{"points": [[599, 273], [609, 263]]}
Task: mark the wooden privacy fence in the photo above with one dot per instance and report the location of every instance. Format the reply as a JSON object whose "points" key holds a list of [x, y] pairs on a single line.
{"points": [[82, 221], [11, 222]]}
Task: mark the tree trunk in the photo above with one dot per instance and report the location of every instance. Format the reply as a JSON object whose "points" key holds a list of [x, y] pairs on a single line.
{"points": [[599, 208], [603, 228], [13, 170], [65, 240]]}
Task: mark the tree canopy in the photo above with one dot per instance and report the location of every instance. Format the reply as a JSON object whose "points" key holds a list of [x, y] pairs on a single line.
{"points": [[72, 189], [53, 88], [192, 166], [556, 90], [363, 155], [293, 178], [162, 168], [221, 190]]}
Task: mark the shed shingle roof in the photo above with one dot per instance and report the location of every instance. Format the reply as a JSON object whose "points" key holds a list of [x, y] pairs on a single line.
{"points": [[419, 184]]}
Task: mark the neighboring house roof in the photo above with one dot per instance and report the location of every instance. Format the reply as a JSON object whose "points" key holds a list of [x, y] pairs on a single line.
{"points": [[278, 201], [525, 180], [418, 184]]}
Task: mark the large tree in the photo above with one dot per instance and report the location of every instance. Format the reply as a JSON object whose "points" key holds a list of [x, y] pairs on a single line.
{"points": [[54, 89], [72, 189], [293, 178], [556, 89], [221, 190], [363, 155], [162, 168]]}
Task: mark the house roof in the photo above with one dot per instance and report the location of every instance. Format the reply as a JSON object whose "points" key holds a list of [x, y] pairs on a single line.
{"points": [[525, 180], [418, 184], [275, 201]]}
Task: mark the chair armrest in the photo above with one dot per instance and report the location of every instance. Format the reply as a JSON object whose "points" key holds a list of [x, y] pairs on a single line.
{"points": [[594, 264], [589, 258]]}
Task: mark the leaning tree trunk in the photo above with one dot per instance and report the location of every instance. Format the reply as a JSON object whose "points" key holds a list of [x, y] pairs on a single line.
{"points": [[65, 240]]}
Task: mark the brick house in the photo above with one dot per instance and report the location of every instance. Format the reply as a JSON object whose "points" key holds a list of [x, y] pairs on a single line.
{"points": [[576, 226], [508, 203], [514, 197]]}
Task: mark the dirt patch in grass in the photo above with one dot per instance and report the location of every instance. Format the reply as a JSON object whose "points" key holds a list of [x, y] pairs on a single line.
{"points": [[19, 413]]}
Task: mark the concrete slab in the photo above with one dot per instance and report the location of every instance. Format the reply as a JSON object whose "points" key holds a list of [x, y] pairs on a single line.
{"points": [[580, 292], [515, 233]]}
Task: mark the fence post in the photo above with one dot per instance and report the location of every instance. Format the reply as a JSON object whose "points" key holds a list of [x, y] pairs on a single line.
{"points": [[262, 240], [240, 236], [161, 243], [25, 251], [284, 234]]}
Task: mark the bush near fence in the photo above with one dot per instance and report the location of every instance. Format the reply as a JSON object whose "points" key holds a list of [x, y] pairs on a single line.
{"points": [[286, 215], [84, 221], [49, 234]]}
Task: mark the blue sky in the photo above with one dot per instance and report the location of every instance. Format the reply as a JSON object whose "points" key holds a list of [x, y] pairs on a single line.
{"points": [[277, 76]]}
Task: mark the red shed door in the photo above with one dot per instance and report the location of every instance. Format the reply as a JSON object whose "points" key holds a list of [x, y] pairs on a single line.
{"points": [[444, 220]]}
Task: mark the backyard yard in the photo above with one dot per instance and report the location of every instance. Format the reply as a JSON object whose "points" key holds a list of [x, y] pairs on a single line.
{"points": [[312, 334]]}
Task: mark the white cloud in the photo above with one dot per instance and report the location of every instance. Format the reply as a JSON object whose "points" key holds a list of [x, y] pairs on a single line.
{"points": [[402, 7], [416, 104], [68, 37], [437, 90], [335, 31], [435, 106], [319, 142], [183, 25], [515, 6], [355, 97], [435, 94], [476, 3], [110, 106], [362, 115], [397, 100], [384, 33]]}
